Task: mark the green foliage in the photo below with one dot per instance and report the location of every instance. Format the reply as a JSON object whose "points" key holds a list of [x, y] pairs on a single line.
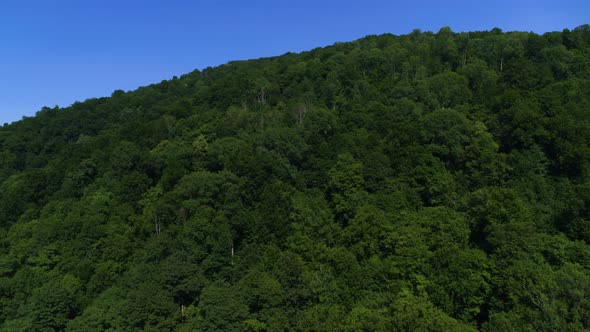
{"points": [[430, 181], [346, 185]]}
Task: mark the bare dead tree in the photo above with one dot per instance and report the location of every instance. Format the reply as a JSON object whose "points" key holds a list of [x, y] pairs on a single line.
{"points": [[156, 219], [261, 97], [300, 112], [183, 213]]}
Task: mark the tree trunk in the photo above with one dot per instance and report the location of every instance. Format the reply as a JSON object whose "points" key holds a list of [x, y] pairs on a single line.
{"points": [[157, 223]]}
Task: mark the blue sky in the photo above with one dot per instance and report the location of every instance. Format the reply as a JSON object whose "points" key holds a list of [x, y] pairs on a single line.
{"points": [[58, 52]]}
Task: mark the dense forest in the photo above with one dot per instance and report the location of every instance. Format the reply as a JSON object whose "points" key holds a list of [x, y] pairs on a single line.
{"points": [[429, 181]]}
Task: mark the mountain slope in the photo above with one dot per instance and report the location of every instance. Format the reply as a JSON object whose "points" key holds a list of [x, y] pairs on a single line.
{"points": [[435, 181]]}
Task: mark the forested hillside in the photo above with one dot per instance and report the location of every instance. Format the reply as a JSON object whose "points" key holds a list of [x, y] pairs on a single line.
{"points": [[430, 181]]}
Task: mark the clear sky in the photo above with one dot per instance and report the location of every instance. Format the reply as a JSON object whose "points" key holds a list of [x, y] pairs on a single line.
{"points": [[56, 52]]}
